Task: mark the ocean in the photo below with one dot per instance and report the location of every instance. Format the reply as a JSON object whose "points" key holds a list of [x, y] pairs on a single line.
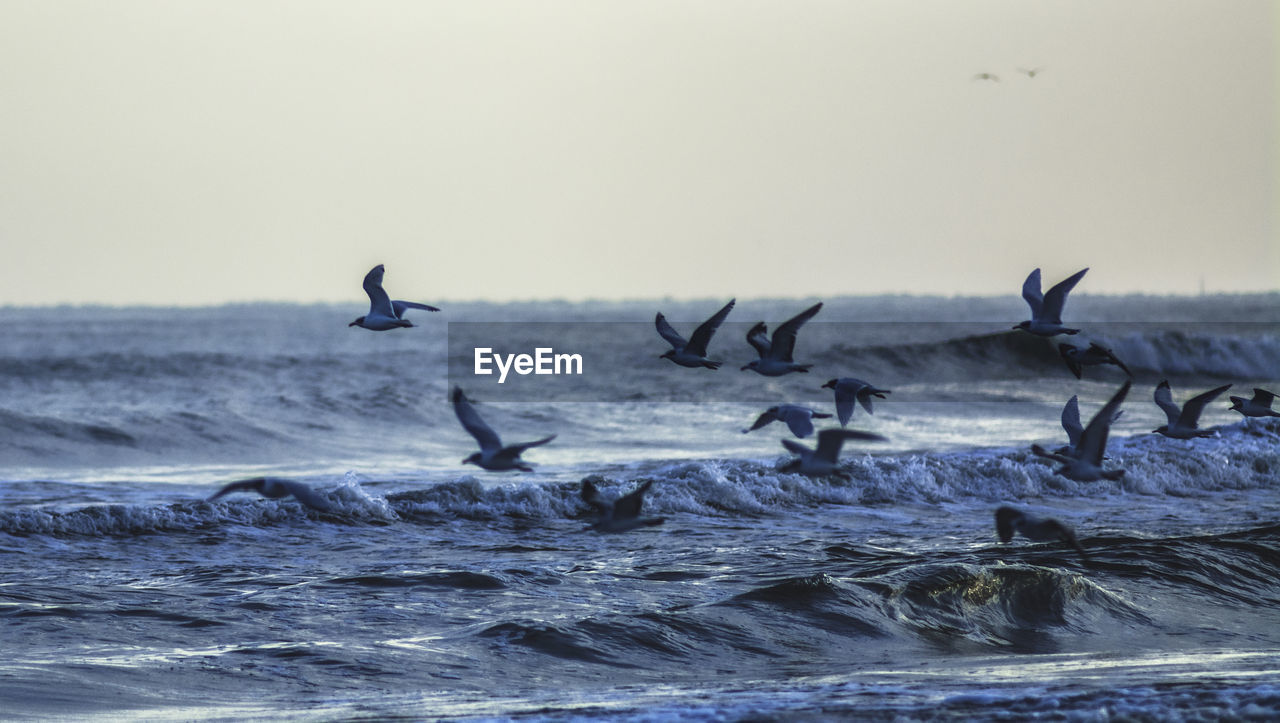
{"points": [[434, 589]]}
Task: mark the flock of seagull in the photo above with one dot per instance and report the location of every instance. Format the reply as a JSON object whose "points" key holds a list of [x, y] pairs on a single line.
{"points": [[1081, 459]]}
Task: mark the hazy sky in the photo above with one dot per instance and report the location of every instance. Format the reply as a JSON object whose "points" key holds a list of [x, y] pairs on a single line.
{"points": [[201, 152]]}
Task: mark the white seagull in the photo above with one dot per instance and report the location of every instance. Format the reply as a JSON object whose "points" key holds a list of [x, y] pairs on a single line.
{"points": [[824, 459], [1096, 354], [384, 313], [797, 418], [1183, 423], [1038, 529], [623, 513], [1259, 406], [1085, 464], [775, 355], [692, 353], [1074, 430], [275, 488], [492, 455], [848, 391], [1046, 310]]}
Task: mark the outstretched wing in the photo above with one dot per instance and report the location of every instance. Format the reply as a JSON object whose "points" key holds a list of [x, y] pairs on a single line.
{"points": [[628, 506], [766, 418], [798, 419], [1056, 298], [831, 440], [244, 485], [591, 495], [1262, 397], [379, 302], [758, 337], [1093, 442], [516, 450], [666, 332], [784, 339], [1109, 356], [1068, 352], [1071, 422], [1031, 292], [399, 307], [702, 335], [1193, 407], [796, 448], [475, 426], [1164, 400]]}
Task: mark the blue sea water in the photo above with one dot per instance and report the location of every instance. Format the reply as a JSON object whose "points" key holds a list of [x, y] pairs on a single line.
{"points": [[435, 589]]}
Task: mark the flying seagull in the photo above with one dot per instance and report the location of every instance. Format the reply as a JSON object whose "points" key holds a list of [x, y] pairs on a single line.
{"points": [[1074, 430], [692, 353], [1046, 310], [275, 488], [775, 355], [849, 390], [987, 76], [492, 455], [1031, 72], [824, 459], [1077, 359], [797, 418], [1010, 520], [384, 313], [623, 513], [1259, 406], [1183, 422], [1085, 465]]}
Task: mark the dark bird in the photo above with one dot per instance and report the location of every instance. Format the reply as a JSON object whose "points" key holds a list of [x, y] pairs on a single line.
{"points": [[776, 354], [1085, 465], [797, 418], [1046, 310], [1077, 359], [623, 513], [848, 391], [1031, 72], [274, 488], [987, 76], [692, 353], [1259, 406], [1010, 520], [492, 455], [1184, 422], [384, 313], [826, 458]]}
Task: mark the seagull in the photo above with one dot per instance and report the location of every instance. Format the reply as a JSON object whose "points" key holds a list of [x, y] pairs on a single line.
{"points": [[275, 488], [987, 76], [1259, 406], [1085, 464], [849, 390], [1182, 422], [824, 459], [384, 313], [692, 353], [1070, 423], [492, 455], [1046, 310], [775, 356], [1032, 72], [623, 513], [799, 419], [1038, 529], [1077, 359]]}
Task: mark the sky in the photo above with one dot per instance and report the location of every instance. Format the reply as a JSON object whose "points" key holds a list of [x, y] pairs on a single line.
{"points": [[204, 152]]}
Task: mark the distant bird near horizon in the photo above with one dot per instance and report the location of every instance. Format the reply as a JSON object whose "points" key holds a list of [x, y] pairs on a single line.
{"points": [[492, 455], [1184, 422], [987, 76], [1031, 72], [1258, 406], [826, 458], [384, 314], [274, 488], [1085, 465], [1095, 355], [797, 418], [622, 514], [848, 391], [1010, 520], [776, 354], [692, 353], [1046, 309]]}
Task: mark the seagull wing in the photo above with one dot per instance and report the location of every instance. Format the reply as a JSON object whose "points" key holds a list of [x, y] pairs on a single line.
{"points": [[799, 420], [1056, 298], [797, 449], [516, 450], [1031, 292], [1262, 397], [628, 506], [1071, 422], [864, 397], [1164, 400], [1193, 407], [758, 337], [591, 495], [784, 338], [379, 302], [1068, 352], [702, 335], [846, 397], [1093, 442], [1109, 356], [766, 418], [243, 485], [475, 426], [399, 306], [831, 440], [666, 332]]}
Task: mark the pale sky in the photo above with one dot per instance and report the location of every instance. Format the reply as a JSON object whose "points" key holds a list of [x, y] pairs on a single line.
{"points": [[177, 152]]}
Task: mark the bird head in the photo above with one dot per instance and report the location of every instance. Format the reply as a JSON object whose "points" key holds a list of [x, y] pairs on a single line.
{"points": [[358, 322], [1025, 325], [753, 364], [1162, 429], [473, 459], [831, 384], [668, 354]]}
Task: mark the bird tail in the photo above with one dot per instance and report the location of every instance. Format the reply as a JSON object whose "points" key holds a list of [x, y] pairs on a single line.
{"points": [[712, 364]]}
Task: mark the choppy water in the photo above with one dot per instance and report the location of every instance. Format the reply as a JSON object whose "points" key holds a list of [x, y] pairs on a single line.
{"points": [[434, 589]]}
